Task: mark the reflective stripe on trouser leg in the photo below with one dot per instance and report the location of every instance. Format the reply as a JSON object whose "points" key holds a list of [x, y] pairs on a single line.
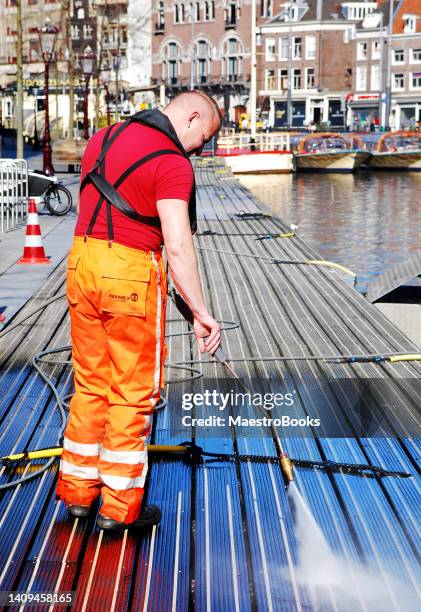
{"points": [[79, 481], [135, 347]]}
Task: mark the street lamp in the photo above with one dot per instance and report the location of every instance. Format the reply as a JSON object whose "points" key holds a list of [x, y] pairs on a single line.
{"points": [[88, 64], [106, 78], [47, 38]]}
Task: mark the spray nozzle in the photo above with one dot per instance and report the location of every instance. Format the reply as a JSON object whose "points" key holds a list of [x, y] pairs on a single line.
{"points": [[287, 467]]}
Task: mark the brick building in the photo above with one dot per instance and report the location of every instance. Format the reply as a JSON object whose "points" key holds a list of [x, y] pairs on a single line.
{"points": [[308, 41], [368, 102], [102, 27], [207, 47]]}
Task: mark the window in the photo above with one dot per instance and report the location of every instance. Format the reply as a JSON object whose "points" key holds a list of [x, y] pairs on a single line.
{"points": [[362, 50], [10, 3], [232, 45], [358, 10], [202, 46], [416, 80], [310, 47], [232, 53], [161, 14], [80, 13], [283, 79], [416, 56], [375, 77], [398, 56], [31, 2], [283, 48], [293, 12], [179, 13], [270, 49], [74, 32], [204, 58], [33, 52], [270, 79], [197, 11], [212, 5], [207, 11], [296, 79], [171, 62], [310, 78], [296, 48], [361, 78], [398, 81], [375, 49], [231, 14], [410, 24], [266, 8], [87, 31], [172, 50]]}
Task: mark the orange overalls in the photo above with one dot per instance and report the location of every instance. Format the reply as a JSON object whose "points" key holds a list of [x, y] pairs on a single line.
{"points": [[117, 299]]}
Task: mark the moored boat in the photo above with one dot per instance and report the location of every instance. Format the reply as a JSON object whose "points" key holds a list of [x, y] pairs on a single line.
{"points": [[397, 151], [267, 153], [330, 152]]}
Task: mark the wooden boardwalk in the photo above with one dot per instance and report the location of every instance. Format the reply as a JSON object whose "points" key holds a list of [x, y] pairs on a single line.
{"points": [[227, 539]]}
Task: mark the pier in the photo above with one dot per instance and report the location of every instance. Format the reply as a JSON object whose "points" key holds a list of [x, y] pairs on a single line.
{"points": [[227, 538]]}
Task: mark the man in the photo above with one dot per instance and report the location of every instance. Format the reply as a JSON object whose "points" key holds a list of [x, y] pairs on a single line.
{"points": [[116, 286]]}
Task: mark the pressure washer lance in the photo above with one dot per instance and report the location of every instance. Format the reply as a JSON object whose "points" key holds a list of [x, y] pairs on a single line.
{"points": [[184, 310], [219, 354]]}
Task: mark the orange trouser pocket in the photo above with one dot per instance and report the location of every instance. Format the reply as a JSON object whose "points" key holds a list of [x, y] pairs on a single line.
{"points": [[124, 290]]}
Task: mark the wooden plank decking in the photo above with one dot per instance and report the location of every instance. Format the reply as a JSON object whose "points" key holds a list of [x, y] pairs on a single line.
{"points": [[227, 538]]}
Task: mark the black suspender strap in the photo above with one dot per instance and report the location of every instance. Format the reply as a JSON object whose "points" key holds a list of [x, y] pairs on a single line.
{"points": [[106, 144], [110, 193], [101, 198], [114, 198], [110, 229]]}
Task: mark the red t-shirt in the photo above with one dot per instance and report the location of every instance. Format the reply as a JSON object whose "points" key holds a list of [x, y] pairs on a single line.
{"points": [[164, 177]]}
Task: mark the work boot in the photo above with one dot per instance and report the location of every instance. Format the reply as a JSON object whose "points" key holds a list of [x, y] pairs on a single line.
{"points": [[150, 515], [78, 511]]}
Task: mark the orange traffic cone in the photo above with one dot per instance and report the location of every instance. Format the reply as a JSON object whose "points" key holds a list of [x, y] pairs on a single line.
{"points": [[33, 252]]}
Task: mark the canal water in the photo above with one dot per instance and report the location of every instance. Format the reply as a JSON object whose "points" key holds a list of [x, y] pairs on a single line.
{"points": [[367, 222]]}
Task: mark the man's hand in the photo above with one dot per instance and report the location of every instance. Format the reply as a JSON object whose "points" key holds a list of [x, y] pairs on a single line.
{"points": [[208, 333]]}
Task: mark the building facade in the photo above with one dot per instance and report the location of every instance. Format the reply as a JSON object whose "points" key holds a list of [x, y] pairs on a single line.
{"points": [[307, 62], [370, 68], [204, 44], [103, 27]]}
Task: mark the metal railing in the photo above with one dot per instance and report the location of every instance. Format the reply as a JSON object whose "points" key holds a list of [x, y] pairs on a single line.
{"points": [[263, 142], [13, 192]]}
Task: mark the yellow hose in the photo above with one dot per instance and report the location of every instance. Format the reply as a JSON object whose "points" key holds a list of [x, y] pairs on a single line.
{"points": [[286, 235], [57, 452], [413, 357], [330, 264]]}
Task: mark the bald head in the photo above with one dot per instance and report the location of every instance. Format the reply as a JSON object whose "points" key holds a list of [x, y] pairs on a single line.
{"points": [[195, 118]]}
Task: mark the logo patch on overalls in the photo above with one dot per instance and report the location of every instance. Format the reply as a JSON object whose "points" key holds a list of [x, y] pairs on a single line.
{"points": [[124, 298]]}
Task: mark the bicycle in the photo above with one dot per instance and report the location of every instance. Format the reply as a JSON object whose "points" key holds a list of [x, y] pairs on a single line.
{"points": [[56, 198]]}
